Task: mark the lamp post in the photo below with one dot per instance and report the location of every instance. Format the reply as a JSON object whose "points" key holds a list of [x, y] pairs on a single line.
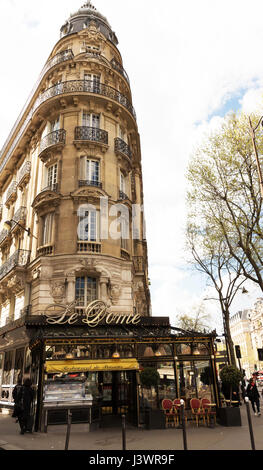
{"points": [[253, 138]]}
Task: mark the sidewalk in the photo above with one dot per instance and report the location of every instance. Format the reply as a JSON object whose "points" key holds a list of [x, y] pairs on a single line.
{"points": [[202, 438]]}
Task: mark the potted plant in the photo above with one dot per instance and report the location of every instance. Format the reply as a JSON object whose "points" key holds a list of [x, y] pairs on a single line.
{"points": [[230, 415], [154, 418]]}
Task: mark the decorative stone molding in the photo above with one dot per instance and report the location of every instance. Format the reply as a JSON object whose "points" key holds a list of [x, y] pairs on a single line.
{"points": [[16, 283], [58, 290]]}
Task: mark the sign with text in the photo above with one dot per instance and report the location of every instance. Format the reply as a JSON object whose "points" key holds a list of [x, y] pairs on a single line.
{"points": [[95, 314]]}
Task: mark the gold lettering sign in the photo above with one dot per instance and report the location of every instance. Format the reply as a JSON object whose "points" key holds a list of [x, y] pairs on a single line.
{"points": [[95, 313]]}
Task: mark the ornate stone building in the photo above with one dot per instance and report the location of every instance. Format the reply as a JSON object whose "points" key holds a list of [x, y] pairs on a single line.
{"points": [[72, 157]]}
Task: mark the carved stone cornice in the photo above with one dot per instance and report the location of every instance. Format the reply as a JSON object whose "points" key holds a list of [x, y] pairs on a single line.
{"points": [[46, 199], [88, 194]]}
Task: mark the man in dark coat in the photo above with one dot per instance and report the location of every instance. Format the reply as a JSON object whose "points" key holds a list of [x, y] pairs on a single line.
{"points": [[253, 395], [14, 395], [24, 399]]}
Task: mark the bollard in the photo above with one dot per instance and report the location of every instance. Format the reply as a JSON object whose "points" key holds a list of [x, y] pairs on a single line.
{"points": [[250, 424], [68, 430], [123, 420], [183, 424]]}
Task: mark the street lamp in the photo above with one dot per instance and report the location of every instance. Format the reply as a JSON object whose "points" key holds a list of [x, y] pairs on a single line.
{"points": [[253, 137], [8, 226]]}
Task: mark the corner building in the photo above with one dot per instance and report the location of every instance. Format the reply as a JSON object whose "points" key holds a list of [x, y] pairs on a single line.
{"points": [[71, 160]]}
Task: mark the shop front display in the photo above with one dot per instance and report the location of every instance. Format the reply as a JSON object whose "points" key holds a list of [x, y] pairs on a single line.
{"points": [[98, 372]]}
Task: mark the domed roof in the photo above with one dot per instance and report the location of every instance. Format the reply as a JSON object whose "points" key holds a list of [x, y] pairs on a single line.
{"points": [[81, 19]]}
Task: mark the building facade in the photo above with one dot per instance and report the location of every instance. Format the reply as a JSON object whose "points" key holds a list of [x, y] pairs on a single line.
{"points": [[75, 310], [247, 331]]}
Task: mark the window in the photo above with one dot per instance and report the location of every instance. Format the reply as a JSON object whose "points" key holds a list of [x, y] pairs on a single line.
{"points": [[90, 120], [88, 226], [92, 82], [4, 314], [85, 290], [122, 183], [124, 233], [52, 176], [47, 226], [90, 171]]}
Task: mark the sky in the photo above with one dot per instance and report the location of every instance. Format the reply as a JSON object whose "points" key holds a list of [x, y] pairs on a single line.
{"points": [[189, 64]]}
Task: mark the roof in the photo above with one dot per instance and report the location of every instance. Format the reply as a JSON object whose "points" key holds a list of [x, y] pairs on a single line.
{"points": [[81, 19]]}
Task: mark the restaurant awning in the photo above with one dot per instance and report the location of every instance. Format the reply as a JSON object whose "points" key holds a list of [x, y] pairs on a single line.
{"points": [[89, 365]]}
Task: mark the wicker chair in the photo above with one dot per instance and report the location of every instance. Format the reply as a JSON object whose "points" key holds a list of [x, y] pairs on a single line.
{"points": [[197, 412], [207, 408], [167, 406]]}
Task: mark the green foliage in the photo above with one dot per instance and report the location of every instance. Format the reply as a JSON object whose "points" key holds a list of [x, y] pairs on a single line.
{"points": [[150, 377], [231, 376]]}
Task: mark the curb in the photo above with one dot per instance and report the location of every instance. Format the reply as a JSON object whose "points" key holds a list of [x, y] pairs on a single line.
{"points": [[5, 446]]}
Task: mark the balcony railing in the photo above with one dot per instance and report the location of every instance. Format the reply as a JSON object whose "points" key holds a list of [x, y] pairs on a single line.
{"points": [[24, 174], [51, 187], [45, 250], [91, 133], [58, 58], [19, 259], [82, 86], [54, 138], [117, 66], [19, 217], [122, 147], [98, 184], [3, 235], [11, 193], [89, 247]]}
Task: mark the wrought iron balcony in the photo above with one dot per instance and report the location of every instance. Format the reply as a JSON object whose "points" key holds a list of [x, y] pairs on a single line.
{"points": [[23, 175], [51, 187], [91, 133], [19, 259], [117, 66], [3, 235], [98, 184], [122, 147], [58, 58], [19, 217], [54, 138], [11, 193], [85, 86]]}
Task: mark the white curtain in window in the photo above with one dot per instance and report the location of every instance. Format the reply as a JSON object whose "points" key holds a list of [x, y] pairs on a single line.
{"points": [[47, 229], [4, 314]]}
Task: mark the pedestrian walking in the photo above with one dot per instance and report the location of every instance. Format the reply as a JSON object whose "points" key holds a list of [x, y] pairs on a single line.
{"points": [[16, 409], [24, 400], [253, 395]]}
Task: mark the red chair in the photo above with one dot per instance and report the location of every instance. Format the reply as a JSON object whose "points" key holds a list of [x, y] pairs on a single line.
{"points": [[167, 406], [197, 412], [207, 408], [177, 408]]}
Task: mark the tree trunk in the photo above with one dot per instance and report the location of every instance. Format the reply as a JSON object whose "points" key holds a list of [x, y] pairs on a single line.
{"points": [[230, 345]]}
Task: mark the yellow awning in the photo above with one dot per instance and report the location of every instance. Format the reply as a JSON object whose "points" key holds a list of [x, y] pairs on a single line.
{"points": [[85, 366]]}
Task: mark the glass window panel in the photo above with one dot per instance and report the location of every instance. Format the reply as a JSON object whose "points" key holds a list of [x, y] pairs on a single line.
{"points": [[47, 229], [19, 362], [8, 362]]}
